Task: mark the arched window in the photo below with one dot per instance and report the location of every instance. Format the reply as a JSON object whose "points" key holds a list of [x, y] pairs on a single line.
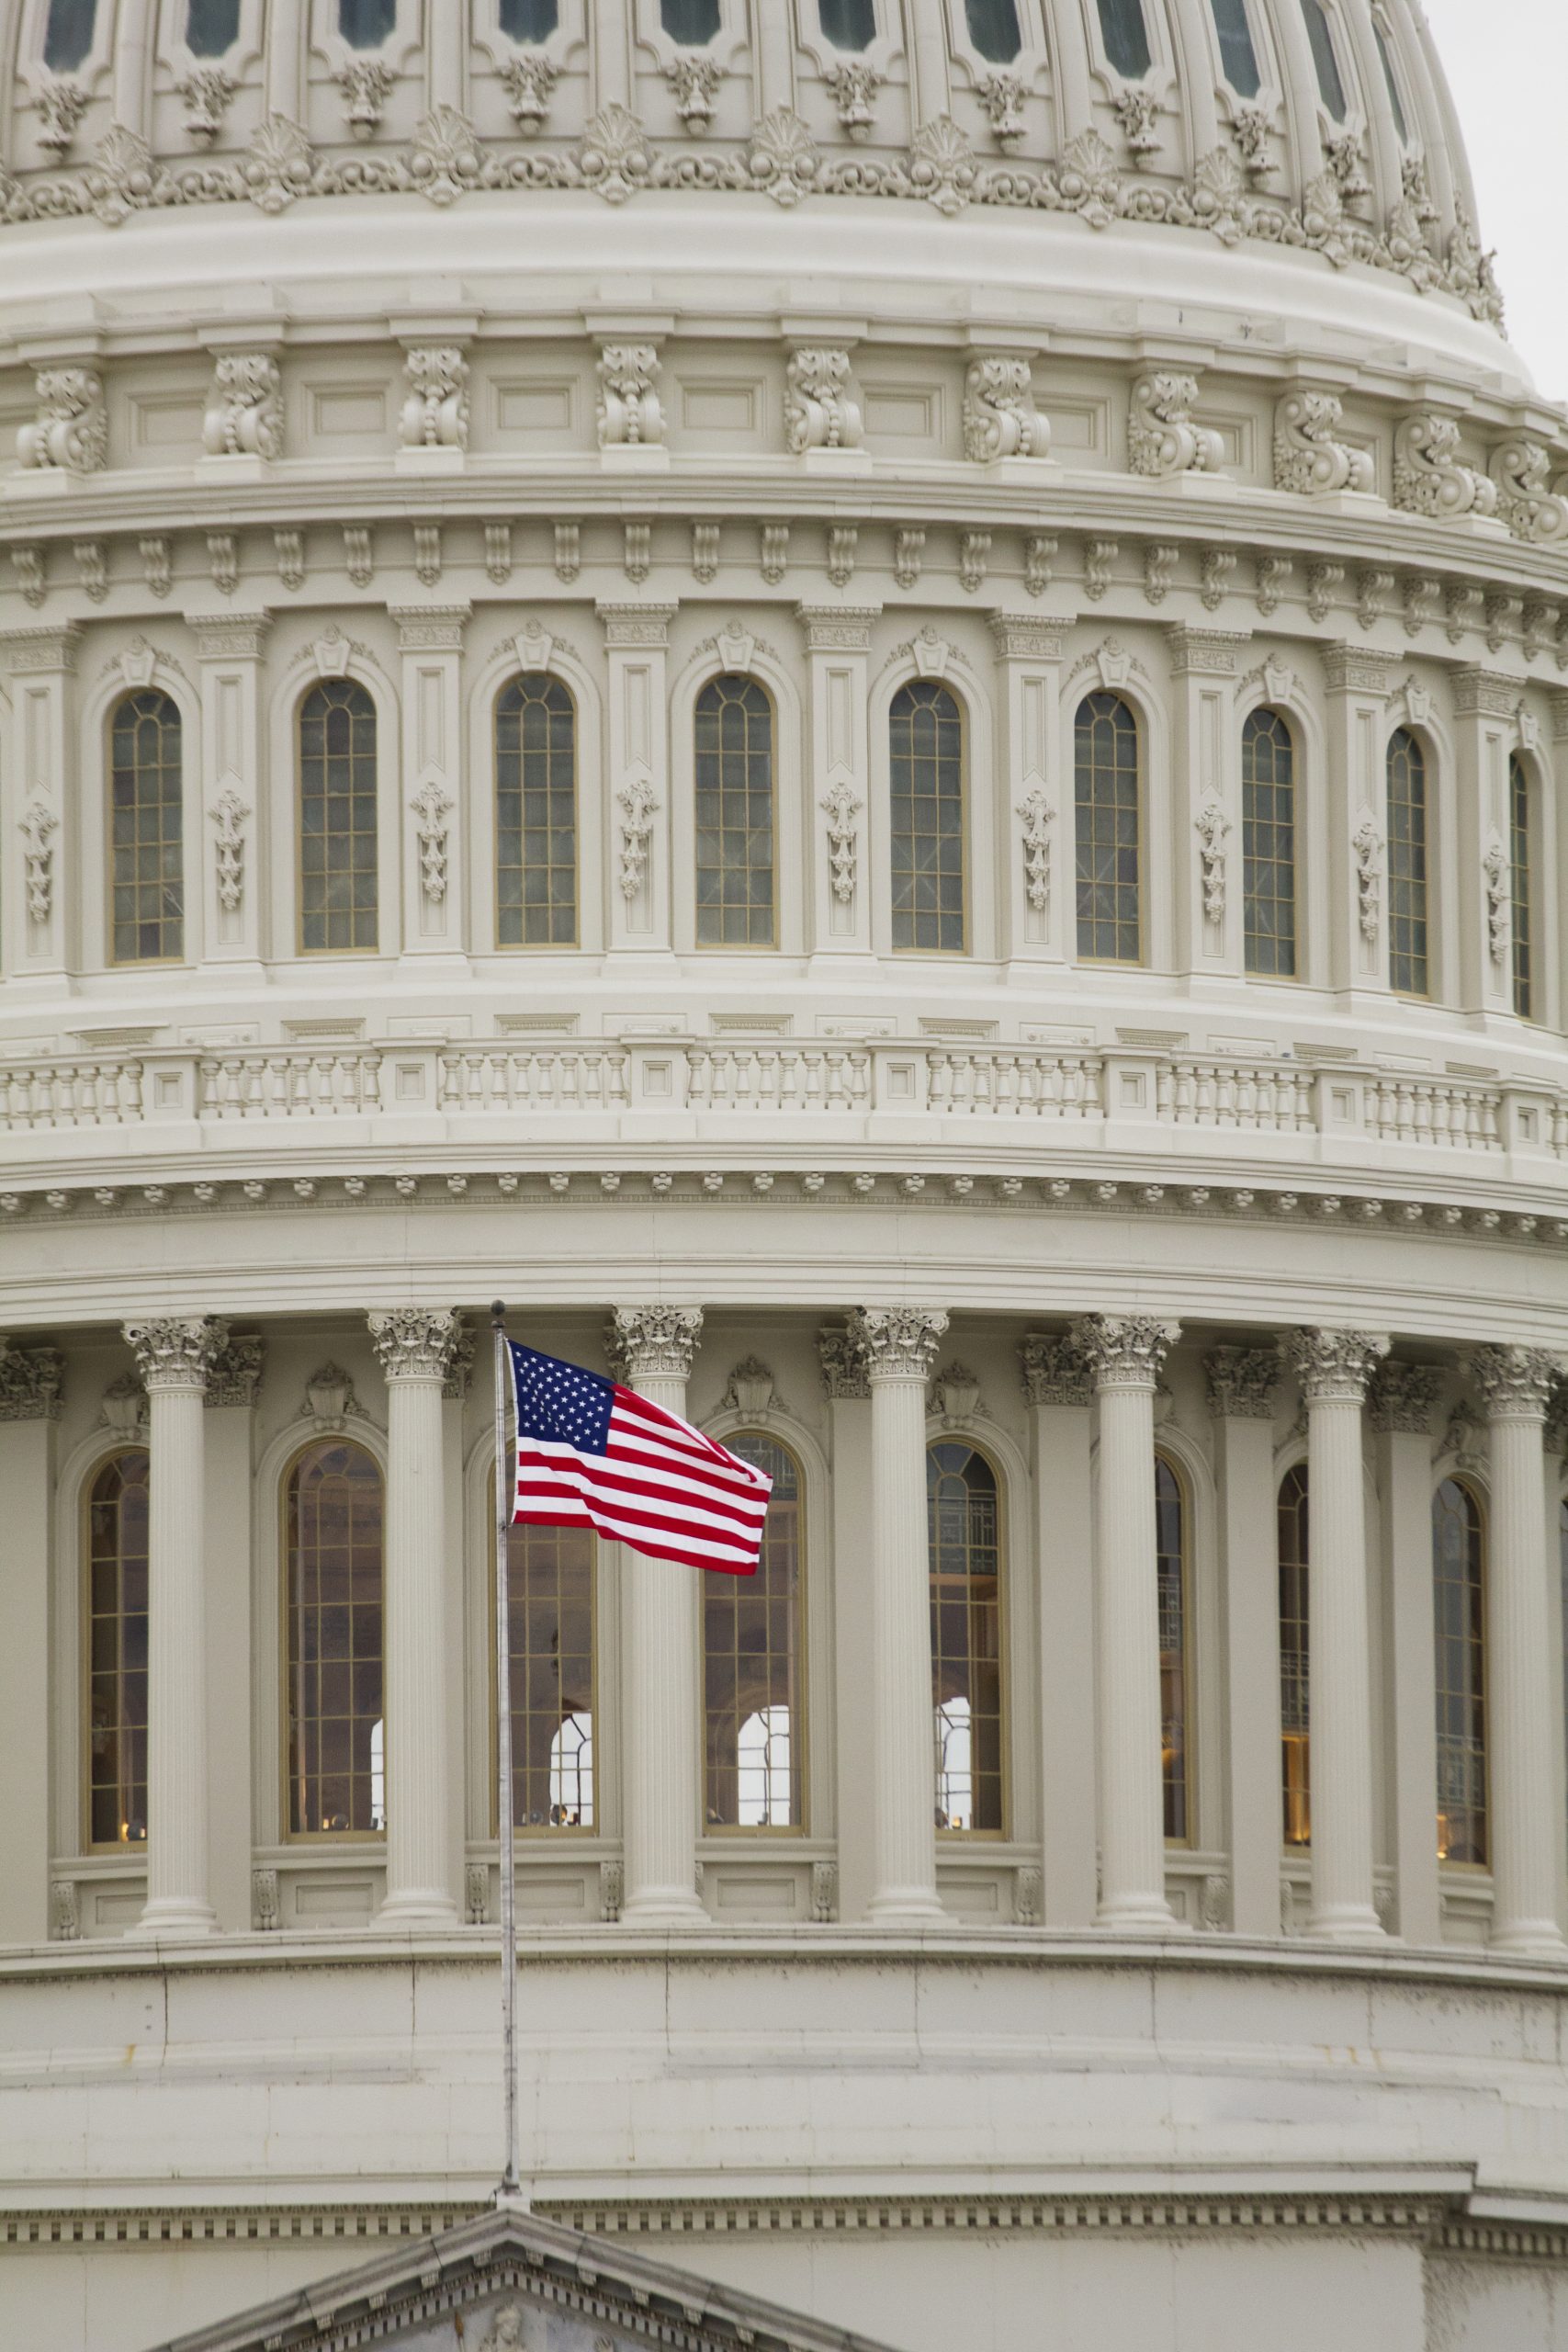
{"points": [[1126, 36], [692, 23], [529, 21], [146, 830], [1268, 843], [848, 23], [212, 27], [926, 745], [1523, 912], [554, 1670], [1108, 827], [753, 1720], [68, 34], [337, 820], [1238, 53], [536, 814], [1170, 1559], [1392, 78], [993, 28], [964, 1539], [366, 24], [1295, 1686], [116, 1579], [333, 1530], [1321, 39], [1458, 1580], [735, 815], [1409, 966]]}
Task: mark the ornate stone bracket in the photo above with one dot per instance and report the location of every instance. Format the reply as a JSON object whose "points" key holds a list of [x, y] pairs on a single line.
{"points": [[843, 806], [245, 407], [436, 413], [1308, 461], [630, 413], [1430, 479], [1000, 419], [71, 433], [1037, 817], [818, 411], [1162, 439]]}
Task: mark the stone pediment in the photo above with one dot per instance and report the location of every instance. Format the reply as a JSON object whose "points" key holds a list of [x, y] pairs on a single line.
{"points": [[511, 2282]]}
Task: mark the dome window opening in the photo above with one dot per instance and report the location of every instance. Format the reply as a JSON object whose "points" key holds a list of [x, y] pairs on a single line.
{"points": [[1238, 51], [993, 28], [1392, 78], [212, 27], [1125, 33], [68, 34], [366, 24], [529, 22], [848, 23], [692, 23], [1321, 39]]}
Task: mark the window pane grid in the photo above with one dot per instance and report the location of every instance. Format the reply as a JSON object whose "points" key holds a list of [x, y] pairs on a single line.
{"points": [[336, 1708], [1459, 1596], [338, 881], [734, 737], [146, 832], [535, 815], [926, 748], [753, 1761], [1269, 845], [1170, 1561], [963, 1532], [1409, 971], [553, 1628], [116, 1651], [1109, 828], [1520, 847], [1295, 1696]]}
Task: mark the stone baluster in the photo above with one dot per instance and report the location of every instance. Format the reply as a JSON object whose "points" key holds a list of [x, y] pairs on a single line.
{"points": [[898, 1346], [175, 1356], [1334, 1369], [415, 1346]]}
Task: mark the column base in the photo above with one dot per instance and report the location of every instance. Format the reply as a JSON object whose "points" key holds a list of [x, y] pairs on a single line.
{"points": [[905, 1906], [1530, 1939], [418, 1906], [661, 1907], [1347, 1923], [171, 1916], [1141, 1914]]}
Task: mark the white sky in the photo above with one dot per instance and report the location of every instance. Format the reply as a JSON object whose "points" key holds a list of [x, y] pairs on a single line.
{"points": [[1507, 61]]}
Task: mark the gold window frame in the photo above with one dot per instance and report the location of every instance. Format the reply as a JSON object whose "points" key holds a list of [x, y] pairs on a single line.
{"points": [[318, 954], [1115, 963], [1477, 1501], [323, 1838], [525, 679], [89, 1844], [543, 1833], [800, 1717], [1183, 1485], [1003, 1834], [939, 687]]}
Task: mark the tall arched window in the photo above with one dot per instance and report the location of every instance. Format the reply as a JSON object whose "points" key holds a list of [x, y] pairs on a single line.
{"points": [[529, 21], [1320, 38], [1459, 1581], [848, 23], [553, 1678], [333, 1532], [366, 24], [1238, 53], [1392, 78], [1170, 1563], [212, 27], [338, 881], [1268, 843], [926, 748], [1108, 811], [536, 814], [1295, 1655], [753, 1719], [692, 23], [1126, 36], [1524, 910], [993, 28], [146, 830], [964, 1543], [115, 1578], [736, 839], [1409, 964], [68, 34]]}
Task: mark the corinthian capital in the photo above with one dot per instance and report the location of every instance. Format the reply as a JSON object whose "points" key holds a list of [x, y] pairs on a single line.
{"points": [[897, 1342], [414, 1342], [1126, 1350], [30, 1381], [1056, 1370], [843, 1366], [1334, 1367], [177, 1350], [1517, 1383], [1403, 1398], [1242, 1382], [654, 1343]]}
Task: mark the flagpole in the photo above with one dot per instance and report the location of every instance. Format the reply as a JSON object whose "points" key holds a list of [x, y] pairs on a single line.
{"points": [[506, 1488]]}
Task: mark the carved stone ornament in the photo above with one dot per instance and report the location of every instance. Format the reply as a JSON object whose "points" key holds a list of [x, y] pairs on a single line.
{"points": [[824, 1892], [531, 79], [176, 1351], [1056, 1370], [264, 1901], [459, 1377], [31, 1380], [1368, 844], [1000, 419], [235, 1378], [61, 102], [1126, 1350], [1515, 1384], [750, 1389], [639, 805], [38, 828], [71, 433], [897, 1342], [329, 1400], [229, 814], [434, 414], [1403, 1398], [1137, 111], [1429, 477], [208, 92], [1308, 461], [957, 1394], [504, 2332], [475, 1893], [245, 407], [1211, 826], [695, 81], [841, 806], [654, 1343], [1162, 439], [818, 412], [843, 1364], [1334, 1367], [414, 1342], [630, 413], [367, 84], [1374, 589], [431, 808], [1498, 875], [854, 84], [1002, 95], [125, 1407], [1532, 511], [1243, 1383], [1037, 817], [64, 1910]]}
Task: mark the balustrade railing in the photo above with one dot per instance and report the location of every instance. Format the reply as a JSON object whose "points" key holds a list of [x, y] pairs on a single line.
{"points": [[1257, 1098], [778, 1078], [36, 1096], [992, 1081], [1450, 1113], [519, 1078], [295, 1083]]}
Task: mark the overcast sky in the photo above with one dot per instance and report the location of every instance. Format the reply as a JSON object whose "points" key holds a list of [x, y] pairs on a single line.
{"points": [[1508, 62]]}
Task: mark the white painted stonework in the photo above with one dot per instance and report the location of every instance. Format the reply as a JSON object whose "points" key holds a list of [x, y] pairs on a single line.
{"points": [[622, 362]]}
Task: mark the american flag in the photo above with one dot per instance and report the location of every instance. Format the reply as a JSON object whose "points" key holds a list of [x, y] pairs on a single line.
{"points": [[590, 1453]]}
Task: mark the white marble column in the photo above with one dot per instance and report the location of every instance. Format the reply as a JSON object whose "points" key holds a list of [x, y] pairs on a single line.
{"points": [[1059, 1387], [175, 1356], [1127, 1352], [233, 1387], [1402, 1400], [415, 1346], [653, 1347], [1522, 1666], [1243, 1384], [848, 1420], [898, 1345], [1334, 1369], [30, 1381]]}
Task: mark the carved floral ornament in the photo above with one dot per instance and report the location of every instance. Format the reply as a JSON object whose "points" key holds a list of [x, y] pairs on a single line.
{"points": [[1334, 1367], [841, 806], [897, 1342], [653, 1343], [1126, 1350], [176, 1351], [414, 1343], [244, 408]]}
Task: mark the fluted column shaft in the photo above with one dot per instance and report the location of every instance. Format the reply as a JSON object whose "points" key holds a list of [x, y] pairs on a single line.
{"points": [[1334, 1369], [661, 1698], [173, 1356], [415, 1347], [898, 1346], [1126, 1352], [1526, 1832]]}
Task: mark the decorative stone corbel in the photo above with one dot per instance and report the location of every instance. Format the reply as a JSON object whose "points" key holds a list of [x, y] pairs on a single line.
{"points": [[71, 432], [818, 411], [630, 413], [841, 807], [435, 412], [245, 407], [1532, 509], [1429, 477], [1000, 419], [1308, 461], [1038, 816], [1162, 439]]}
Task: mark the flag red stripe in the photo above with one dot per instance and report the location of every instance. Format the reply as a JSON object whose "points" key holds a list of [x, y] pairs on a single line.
{"points": [[635, 1479]]}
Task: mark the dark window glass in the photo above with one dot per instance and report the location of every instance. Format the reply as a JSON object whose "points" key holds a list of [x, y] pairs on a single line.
{"points": [[1237, 54], [68, 33], [1268, 843], [753, 1764], [1322, 42], [1170, 1566], [1126, 36], [963, 1517], [338, 879], [146, 832], [116, 1651], [848, 23], [1409, 967], [1108, 830], [366, 24], [524, 20], [1392, 80], [1294, 1659], [1459, 1602], [536, 814], [926, 744], [212, 27], [993, 28], [337, 1758], [554, 1628], [735, 815], [692, 23], [1524, 912]]}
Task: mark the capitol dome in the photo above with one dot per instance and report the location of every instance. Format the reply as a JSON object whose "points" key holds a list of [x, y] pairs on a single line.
{"points": [[868, 701]]}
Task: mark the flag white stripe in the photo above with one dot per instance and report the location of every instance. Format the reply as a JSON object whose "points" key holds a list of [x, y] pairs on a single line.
{"points": [[750, 1506], [689, 1515]]}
